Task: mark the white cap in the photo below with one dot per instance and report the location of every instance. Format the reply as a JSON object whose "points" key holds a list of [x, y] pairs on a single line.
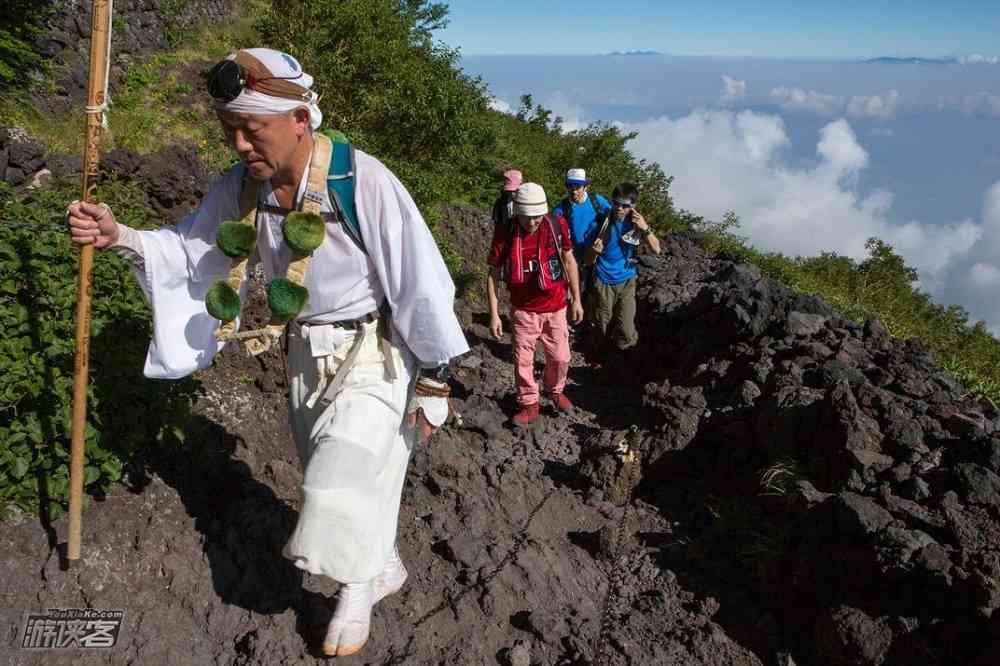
{"points": [[576, 177], [530, 201]]}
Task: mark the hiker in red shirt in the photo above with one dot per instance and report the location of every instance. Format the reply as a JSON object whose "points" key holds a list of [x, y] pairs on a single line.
{"points": [[534, 256]]}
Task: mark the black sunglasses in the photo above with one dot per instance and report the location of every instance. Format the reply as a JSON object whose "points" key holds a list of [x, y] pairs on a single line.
{"points": [[228, 79]]}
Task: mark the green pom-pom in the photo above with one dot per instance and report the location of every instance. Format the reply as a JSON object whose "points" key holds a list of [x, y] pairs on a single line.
{"points": [[236, 239], [336, 136], [223, 302], [286, 299], [304, 232]]}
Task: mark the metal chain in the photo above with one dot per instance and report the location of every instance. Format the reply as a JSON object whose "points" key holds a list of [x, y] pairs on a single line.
{"points": [[616, 578]]}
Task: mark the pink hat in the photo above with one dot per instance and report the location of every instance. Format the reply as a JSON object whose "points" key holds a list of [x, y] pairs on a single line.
{"points": [[512, 179]]}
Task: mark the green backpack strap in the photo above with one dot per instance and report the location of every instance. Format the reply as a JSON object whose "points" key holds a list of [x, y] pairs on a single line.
{"points": [[340, 184]]}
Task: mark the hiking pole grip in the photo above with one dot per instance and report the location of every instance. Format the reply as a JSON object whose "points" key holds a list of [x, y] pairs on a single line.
{"points": [[97, 97]]}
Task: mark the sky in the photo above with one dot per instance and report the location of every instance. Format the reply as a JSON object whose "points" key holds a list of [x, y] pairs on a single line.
{"points": [[762, 28], [813, 154]]}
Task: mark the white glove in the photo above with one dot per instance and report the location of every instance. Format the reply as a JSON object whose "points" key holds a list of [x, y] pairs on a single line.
{"points": [[435, 408]]}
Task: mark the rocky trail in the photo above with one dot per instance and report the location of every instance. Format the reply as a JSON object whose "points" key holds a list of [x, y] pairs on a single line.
{"points": [[805, 491]]}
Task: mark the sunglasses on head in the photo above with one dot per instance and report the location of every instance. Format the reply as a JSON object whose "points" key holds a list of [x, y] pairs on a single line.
{"points": [[228, 79]]}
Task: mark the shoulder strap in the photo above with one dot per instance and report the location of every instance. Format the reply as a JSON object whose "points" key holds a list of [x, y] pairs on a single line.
{"points": [[556, 229], [340, 185], [567, 206], [593, 204]]}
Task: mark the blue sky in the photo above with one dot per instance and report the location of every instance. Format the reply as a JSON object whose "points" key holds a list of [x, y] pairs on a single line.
{"points": [[768, 28]]}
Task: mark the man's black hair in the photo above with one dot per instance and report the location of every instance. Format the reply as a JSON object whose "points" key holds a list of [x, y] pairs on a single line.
{"points": [[626, 191]]}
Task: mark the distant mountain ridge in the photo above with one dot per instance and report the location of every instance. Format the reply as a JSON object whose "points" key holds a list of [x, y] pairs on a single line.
{"points": [[636, 53], [889, 60], [971, 59]]}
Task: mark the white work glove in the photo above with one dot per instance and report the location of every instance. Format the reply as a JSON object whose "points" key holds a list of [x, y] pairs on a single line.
{"points": [[435, 409], [428, 408]]}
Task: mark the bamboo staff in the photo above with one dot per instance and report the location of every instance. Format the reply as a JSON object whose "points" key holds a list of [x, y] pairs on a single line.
{"points": [[97, 98]]}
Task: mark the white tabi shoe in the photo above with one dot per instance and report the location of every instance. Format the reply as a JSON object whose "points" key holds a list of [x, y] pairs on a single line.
{"points": [[351, 623], [392, 577]]}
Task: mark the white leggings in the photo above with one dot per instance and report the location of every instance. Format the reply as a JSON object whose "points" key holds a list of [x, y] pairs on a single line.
{"points": [[354, 452]]}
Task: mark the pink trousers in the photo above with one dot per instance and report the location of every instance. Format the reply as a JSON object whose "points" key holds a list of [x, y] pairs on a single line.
{"points": [[553, 330]]}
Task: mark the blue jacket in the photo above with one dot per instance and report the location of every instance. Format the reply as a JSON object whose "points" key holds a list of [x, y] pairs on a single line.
{"points": [[582, 218]]}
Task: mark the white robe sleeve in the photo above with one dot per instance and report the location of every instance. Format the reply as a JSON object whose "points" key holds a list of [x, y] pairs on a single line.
{"points": [[181, 264], [409, 265]]}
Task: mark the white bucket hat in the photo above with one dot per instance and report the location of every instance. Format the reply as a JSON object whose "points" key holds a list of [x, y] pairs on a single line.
{"points": [[530, 200], [576, 177]]}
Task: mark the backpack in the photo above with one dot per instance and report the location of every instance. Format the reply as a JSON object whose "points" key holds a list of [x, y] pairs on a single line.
{"points": [[503, 213], [340, 186]]}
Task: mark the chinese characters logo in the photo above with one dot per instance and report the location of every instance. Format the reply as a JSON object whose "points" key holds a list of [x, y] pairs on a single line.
{"points": [[72, 628]]}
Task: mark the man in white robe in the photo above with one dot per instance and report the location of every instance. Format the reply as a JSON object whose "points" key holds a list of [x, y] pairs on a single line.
{"points": [[356, 409]]}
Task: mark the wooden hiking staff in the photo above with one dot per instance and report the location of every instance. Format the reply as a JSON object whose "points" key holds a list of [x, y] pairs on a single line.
{"points": [[97, 98]]}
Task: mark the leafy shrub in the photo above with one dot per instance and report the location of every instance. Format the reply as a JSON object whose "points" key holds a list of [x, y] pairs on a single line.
{"points": [[125, 412], [20, 25]]}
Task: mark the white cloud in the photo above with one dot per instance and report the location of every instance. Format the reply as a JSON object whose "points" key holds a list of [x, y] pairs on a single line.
{"points": [[979, 104], [979, 59], [562, 106], [732, 89], [881, 107], [724, 160], [498, 104], [797, 99]]}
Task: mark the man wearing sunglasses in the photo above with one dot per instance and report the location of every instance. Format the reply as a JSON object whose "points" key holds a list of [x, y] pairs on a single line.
{"points": [[368, 350], [612, 296]]}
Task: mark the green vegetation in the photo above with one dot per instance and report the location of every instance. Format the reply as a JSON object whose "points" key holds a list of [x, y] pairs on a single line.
{"points": [[20, 25], [38, 277]]}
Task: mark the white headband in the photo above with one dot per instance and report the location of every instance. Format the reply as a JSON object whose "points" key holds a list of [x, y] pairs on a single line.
{"points": [[251, 101], [280, 65]]}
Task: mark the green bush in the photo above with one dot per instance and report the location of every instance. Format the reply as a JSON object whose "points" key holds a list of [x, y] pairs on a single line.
{"points": [[125, 412], [20, 26]]}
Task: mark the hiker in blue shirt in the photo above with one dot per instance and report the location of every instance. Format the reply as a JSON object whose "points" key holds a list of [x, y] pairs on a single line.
{"points": [[581, 210], [613, 248]]}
